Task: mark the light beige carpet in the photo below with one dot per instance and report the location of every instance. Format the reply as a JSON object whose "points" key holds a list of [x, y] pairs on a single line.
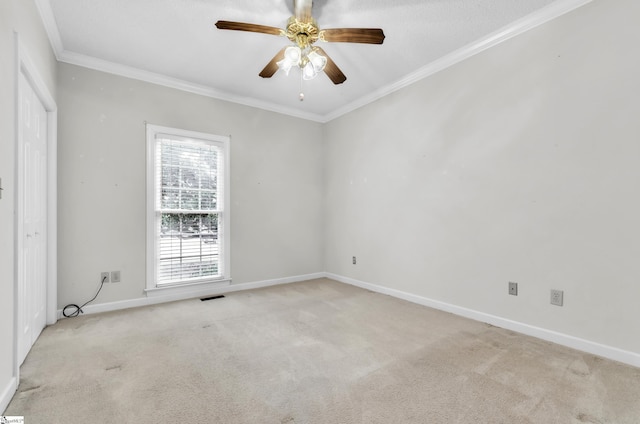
{"points": [[312, 352]]}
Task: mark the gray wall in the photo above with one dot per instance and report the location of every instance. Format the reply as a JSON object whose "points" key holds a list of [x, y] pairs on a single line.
{"points": [[518, 164], [276, 180], [20, 16]]}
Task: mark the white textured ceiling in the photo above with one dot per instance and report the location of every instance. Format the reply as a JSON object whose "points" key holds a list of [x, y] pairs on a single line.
{"points": [[175, 42]]}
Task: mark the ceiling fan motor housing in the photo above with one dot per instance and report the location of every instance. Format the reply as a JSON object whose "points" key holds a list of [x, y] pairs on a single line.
{"points": [[304, 34]]}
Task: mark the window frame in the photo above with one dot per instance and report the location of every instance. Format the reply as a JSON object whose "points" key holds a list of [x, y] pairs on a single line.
{"points": [[223, 142]]}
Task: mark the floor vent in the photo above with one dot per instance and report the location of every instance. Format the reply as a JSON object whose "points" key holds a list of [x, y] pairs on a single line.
{"points": [[212, 297]]}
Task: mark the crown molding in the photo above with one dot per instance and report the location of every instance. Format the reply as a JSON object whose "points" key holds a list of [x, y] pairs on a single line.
{"points": [[50, 26], [531, 21], [178, 84]]}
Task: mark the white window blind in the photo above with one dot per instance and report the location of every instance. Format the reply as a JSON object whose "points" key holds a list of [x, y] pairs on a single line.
{"points": [[188, 211]]}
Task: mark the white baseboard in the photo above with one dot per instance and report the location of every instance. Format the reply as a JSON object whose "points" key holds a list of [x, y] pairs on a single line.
{"points": [[196, 291], [627, 357], [620, 355], [276, 281], [7, 394]]}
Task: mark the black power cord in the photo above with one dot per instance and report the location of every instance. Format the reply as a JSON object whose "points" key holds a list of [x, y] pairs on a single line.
{"points": [[78, 309]]}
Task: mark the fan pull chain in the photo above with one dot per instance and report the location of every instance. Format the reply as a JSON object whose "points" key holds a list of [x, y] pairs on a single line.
{"points": [[301, 93]]}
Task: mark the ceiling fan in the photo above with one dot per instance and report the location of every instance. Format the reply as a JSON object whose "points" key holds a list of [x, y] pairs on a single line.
{"points": [[303, 31]]}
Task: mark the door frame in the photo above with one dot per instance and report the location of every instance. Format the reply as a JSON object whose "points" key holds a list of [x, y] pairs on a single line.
{"points": [[27, 68]]}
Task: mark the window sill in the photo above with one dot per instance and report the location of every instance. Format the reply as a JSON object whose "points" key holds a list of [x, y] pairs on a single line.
{"points": [[195, 289]]}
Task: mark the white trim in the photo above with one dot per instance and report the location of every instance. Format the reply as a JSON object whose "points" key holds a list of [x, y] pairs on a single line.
{"points": [[520, 26], [16, 227], [185, 289], [50, 26], [277, 281], [25, 66], [52, 215], [178, 84], [30, 71], [224, 227], [7, 394], [195, 293], [624, 356], [533, 20]]}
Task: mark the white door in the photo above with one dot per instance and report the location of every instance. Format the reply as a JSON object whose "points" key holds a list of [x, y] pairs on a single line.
{"points": [[32, 218]]}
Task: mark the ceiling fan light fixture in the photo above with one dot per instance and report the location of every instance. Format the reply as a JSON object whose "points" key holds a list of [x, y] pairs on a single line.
{"points": [[309, 72], [318, 61], [292, 57], [293, 54], [309, 61], [284, 65], [314, 63]]}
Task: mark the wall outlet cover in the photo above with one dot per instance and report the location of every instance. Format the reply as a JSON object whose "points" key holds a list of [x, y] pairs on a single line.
{"points": [[513, 289], [557, 297]]}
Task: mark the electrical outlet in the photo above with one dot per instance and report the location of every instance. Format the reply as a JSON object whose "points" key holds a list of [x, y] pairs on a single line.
{"points": [[513, 289], [556, 297], [115, 276], [354, 260], [104, 277]]}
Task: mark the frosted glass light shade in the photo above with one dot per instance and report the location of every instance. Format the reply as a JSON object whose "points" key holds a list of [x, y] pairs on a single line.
{"points": [[318, 61], [284, 65], [293, 54], [309, 72]]}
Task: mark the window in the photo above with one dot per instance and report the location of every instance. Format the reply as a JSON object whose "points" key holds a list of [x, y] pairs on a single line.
{"points": [[187, 207]]}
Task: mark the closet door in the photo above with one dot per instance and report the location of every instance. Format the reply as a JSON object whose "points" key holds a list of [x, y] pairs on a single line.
{"points": [[32, 218]]}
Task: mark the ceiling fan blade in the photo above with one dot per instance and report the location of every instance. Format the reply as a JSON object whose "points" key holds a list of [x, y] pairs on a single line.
{"points": [[353, 35], [331, 69], [242, 26], [302, 9], [272, 67]]}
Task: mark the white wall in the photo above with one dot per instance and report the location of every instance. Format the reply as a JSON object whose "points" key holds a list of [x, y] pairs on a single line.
{"points": [[20, 16], [276, 180], [519, 164]]}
